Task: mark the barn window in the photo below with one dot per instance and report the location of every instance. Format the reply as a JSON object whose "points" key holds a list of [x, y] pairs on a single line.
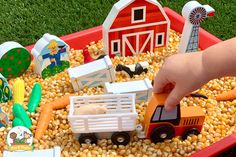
{"points": [[115, 46], [160, 39], [138, 14]]}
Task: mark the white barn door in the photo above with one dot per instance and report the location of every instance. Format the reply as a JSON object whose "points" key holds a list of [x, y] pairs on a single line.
{"points": [[131, 42]]}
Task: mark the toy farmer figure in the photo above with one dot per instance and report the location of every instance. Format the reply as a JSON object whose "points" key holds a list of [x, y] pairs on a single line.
{"points": [[55, 54]]}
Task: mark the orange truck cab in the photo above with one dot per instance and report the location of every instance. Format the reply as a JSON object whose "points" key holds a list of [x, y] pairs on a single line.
{"points": [[182, 121]]}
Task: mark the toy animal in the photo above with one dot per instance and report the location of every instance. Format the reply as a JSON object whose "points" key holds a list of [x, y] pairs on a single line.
{"points": [[88, 57], [90, 110], [134, 69]]}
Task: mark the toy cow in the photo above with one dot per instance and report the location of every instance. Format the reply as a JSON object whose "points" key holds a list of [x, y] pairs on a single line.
{"points": [[134, 69]]}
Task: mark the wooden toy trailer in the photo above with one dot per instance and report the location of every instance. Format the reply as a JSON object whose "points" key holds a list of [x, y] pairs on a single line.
{"points": [[142, 89], [117, 123], [160, 125], [55, 152], [92, 74]]}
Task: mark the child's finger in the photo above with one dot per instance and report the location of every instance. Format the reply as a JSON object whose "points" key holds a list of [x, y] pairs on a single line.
{"points": [[159, 83], [174, 98]]}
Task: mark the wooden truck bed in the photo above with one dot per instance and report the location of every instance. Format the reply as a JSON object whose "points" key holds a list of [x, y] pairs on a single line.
{"points": [[121, 114]]}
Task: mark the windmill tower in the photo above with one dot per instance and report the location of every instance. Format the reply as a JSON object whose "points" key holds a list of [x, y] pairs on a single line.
{"points": [[194, 13]]}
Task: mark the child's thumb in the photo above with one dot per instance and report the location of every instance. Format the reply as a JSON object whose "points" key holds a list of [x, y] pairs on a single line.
{"points": [[174, 98]]}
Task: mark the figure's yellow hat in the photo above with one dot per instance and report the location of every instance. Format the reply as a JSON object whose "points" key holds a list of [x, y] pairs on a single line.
{"points": [[52, 44]]}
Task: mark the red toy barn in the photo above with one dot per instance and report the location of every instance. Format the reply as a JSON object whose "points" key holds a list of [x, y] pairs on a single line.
{"points": [[135, 26]]}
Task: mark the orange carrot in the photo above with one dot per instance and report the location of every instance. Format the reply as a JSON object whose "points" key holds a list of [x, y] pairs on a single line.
{"points": [[61, 102], [43, 122], [229, 95]]}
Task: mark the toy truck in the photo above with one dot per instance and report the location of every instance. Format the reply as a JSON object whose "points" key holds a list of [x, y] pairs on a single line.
{"points": [[117, 123], [92, 74], [55, 152], [160, 125], [142, 89]]}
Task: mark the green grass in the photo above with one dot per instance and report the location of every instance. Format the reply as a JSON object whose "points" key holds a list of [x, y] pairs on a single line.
{"points": [[47, 72], [26, 21]]}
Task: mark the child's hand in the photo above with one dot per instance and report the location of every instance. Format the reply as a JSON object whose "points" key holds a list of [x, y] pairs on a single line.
{"points": [[185, 74]]}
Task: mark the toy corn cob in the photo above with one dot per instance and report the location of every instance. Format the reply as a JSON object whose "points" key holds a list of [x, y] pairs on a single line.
{"points": [[35, 97], [5, 91], [18, 91]]}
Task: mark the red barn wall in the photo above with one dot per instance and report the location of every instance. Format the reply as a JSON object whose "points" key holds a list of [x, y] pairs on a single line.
{"points": [[153, 14], [118, 35]]}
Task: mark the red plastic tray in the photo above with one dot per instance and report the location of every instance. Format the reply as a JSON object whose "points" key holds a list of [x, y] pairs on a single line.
{"points": [[80, 39], [220, 148]]}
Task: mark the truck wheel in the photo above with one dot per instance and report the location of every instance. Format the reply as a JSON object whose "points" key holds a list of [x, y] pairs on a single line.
{"points": [[88, 139], [190, 132], [161, 133], [120, 138]]}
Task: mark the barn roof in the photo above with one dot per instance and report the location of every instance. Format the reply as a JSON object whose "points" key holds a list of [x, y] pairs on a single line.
{"points": [[121, 5]]}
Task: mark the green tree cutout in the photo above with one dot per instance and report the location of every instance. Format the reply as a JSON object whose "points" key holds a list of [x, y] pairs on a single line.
{"points": [[15, 62]]}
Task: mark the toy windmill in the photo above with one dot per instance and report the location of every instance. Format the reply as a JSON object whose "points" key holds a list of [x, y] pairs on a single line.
{"points": [[194, 13]]}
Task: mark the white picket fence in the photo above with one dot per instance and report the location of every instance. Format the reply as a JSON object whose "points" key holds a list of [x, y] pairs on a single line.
{"points": [[92, 74], [55, 152], [142, 89]]}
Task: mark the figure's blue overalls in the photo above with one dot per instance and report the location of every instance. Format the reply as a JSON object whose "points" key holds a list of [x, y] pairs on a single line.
{"points": [[55, 59]]}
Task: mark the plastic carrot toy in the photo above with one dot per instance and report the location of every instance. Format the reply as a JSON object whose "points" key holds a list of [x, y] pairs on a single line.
{"points": [[61, 102], [19, 112], [18, 91], [229, 95], [35, 97], [43, 121]]}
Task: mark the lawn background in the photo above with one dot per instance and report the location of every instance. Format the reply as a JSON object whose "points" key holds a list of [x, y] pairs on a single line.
{"points": [[25, 21]]}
